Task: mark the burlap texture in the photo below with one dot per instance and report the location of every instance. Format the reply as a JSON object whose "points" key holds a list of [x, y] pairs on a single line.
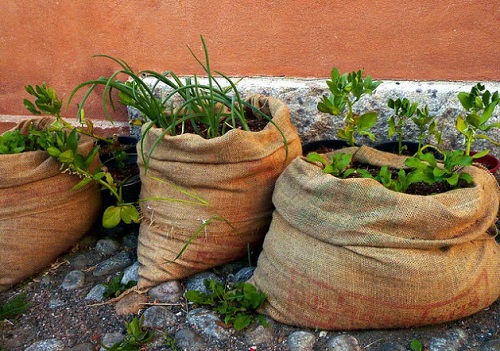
{"points": [[234, 173], [40, 217], [351, 254]]}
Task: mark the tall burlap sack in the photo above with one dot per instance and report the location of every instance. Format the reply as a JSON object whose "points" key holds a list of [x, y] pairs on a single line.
{"points": [[234, 174], [40, 217], [351, 254]]}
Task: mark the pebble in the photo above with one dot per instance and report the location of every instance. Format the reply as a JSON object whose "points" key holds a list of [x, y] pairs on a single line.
{"points": [[260, 335], [109, 339], [131, 273], [452, 341], [390, 346], [169, 292], [73, 280], [83, 260], [187, 339], [81, 347], [54, 303], [301, 341], [196, 282], [206, 322], [243, 274], [344, 343], [46, 345], [107, 247], [130, 241], [159, 317], [114, 264], [96, 293]]}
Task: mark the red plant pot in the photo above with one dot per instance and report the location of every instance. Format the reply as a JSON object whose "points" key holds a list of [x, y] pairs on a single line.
{"points": [[489, 161]]}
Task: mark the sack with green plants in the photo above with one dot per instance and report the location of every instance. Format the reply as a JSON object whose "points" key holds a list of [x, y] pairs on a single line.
{"points": [[352, 254], [40, 215], [220, 189]]}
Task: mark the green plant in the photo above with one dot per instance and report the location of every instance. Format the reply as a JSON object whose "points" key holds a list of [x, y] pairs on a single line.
{"points": [[16, 306], [171, 343], [135, 339], [237, 304], [479, 105], [345, 91], [115, 287], [207, 109], [427, 126], [416, 345], [403, 111]]}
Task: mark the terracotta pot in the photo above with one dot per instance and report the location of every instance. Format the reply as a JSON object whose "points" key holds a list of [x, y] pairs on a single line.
{"points": [[489, 161]]}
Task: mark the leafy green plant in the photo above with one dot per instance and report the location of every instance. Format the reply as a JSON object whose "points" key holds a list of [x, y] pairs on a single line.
{"points": [[13, 142], [237, 304], [16, 306], [345, 91], [115, 287], [135, 339], [171, 343], [403, 112], [427, 127], [46, 101], [207, 109], [479, 105]]}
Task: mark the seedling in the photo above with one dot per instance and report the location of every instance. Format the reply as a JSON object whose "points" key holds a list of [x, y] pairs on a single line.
{"points": [[135, 339], [479, 105], [237, 304], [345, 91], [427, 127], [416, 345], [403, 111], [16, 306], [115, 287]]}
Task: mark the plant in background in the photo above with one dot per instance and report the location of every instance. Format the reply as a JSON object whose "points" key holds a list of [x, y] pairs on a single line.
{"points": [[115, 287], [345, 91], [237, 304], [206, 109], [403, 111], [427, 127], [479, 105], [135, 339]]}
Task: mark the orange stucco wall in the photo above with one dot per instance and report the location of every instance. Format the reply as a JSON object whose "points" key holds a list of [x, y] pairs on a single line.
{"points": [[53, 41]]}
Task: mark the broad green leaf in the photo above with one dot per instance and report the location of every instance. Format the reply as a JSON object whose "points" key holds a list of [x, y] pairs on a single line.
{"points": [[391, 123], [72, 141], [53, 151], [461, 125], [129, 213], [366, 121], [465, 100], [111, 217], [81, 183], [66, 157], [481, 154], [315, 157]]}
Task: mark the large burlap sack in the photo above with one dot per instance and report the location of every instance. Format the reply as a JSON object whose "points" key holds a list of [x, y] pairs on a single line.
{"points": [[40, 217], [234, 174], [351, 254]]}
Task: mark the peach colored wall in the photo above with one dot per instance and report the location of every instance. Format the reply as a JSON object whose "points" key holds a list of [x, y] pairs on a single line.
{"points": [[53, 41]]}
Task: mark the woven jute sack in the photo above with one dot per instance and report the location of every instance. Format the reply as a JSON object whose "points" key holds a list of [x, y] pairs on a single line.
{"points": [[40, 216], [234, 174], [351, 254]]}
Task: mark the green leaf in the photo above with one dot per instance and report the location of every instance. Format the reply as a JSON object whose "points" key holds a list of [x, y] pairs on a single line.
{"points": [[416, 345], [315, 157], [81, 183], [54, 152], [481, 154], [129, 213], [366, 121], [66, 157], [111, 217], [242, 321], [72, 141]]}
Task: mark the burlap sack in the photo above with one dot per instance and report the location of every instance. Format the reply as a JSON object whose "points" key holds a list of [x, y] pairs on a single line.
{"points": [[234, 174], [40, 217], [351, 254]]}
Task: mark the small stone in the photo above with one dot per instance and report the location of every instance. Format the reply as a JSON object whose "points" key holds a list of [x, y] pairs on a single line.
{"points": [[84, 260], [53, 303], [207, 323], [73, 280], [131, 273], [259, 335], [169, 292], [114, 264], [243, 274], [110, 339], [344, 343], [391, 346], [491, 345], [81, 347], [107, 247], [130, 303], [158, 317], [196, 282], [96, 293], [452, 341], [301, 341], [130, 241], [186, 339], [46, 345]]}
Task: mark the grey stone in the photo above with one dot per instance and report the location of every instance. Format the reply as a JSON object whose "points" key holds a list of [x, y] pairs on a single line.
{"points": [[96, 293], [243, 274], [131, 273], [301, 341], [158, 317], [344, 343], [81, 347], [491, 345], [46, 345], [73, 280], [84, 260], [206, 322], [390, 346], [196, 282], [114, 264], [54, 303], [130, 241], [186, 339], [259, 335], [109, 339], [451, 341], [107, 247], [169, 292]]}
